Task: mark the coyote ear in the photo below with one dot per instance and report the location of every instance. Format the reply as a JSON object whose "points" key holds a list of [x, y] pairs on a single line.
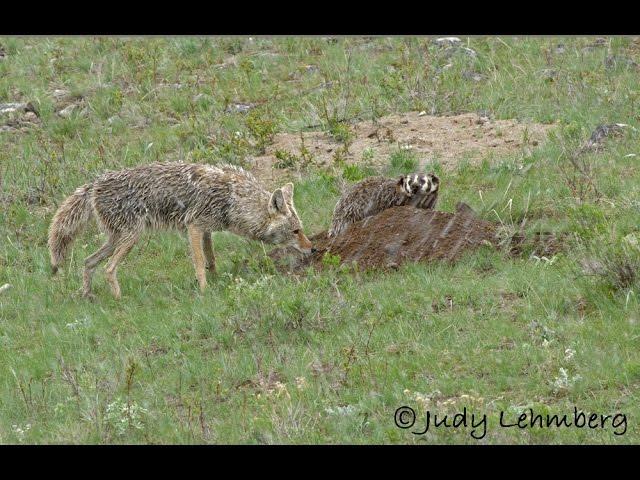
{"points": [[277, 203], [287, 190]]}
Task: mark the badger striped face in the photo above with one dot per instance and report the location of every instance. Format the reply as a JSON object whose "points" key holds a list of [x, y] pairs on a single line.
{"points": [[424, 190], [420, 183], [405, 185]]}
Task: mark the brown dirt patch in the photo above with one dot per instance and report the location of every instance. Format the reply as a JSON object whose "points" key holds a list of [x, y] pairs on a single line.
{"points": [[396, 236], [447, 139]]}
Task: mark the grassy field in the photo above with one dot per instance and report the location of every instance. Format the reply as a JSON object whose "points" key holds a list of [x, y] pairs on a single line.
{"points": [[326, 357]]}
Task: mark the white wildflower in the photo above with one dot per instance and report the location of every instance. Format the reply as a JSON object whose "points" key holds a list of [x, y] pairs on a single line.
{"points": [[122, 415], [341, 411], [20, 431], [563, 381]]}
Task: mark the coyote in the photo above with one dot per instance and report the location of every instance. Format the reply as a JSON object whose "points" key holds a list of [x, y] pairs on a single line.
{"points": [[375, 194], [197, 198]]}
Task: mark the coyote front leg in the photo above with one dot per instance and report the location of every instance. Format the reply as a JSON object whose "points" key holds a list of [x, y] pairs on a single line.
{"points": [[196, 237], [208, 252]]}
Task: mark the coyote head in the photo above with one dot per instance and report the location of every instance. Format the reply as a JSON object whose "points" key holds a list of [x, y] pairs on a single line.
{"points": [[285, 226]]}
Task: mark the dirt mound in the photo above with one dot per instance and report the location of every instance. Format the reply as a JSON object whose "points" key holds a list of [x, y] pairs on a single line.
{"points": [[447, 139], [396, 236]]}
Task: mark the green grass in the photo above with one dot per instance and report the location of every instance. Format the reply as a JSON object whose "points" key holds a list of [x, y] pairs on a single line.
{"points": [[324, 357]]}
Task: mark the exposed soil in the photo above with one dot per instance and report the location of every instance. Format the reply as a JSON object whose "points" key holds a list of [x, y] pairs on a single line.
{"points": [[447, 139], [407, 234], [396, 236]]}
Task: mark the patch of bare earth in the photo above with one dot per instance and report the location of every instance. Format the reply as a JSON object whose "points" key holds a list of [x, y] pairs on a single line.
{"points": [[446, 139], [405, 234], [398, 235]]}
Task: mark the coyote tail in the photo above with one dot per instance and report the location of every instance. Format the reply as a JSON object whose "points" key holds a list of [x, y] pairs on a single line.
{"points": [[69, 219]]}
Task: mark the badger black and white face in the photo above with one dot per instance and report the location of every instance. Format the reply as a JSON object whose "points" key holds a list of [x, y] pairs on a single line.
{"points": [[423, 190], [405, 185], [422, 184]]}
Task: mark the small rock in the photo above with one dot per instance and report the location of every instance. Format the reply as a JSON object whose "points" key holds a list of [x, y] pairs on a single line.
{"points": [[239, 107], [17, 107], [447, 41], [60, 93], [67, 111], [30, 117], [451, 51], [470, 51], [5, 287], [475, 76]]}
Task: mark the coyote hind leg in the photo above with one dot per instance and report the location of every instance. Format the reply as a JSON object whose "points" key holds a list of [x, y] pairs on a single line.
{"points": [[122, 248], [92, 261], [207, 244], [196, 237]]}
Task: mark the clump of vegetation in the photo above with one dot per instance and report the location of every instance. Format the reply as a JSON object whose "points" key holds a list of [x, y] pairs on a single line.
{"points": [[403, 161], [341, 131], [617, 266], [262, 128], [355, 173], [286, 159], [331, 260]]}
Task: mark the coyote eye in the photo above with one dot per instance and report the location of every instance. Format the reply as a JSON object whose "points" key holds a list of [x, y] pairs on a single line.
{"points": [[296, 231]]}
